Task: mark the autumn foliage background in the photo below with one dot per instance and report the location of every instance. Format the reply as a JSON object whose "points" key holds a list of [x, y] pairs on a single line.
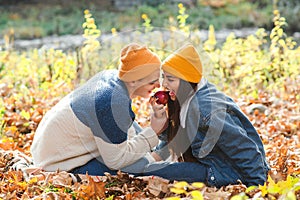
{"points": [[261, 72]]}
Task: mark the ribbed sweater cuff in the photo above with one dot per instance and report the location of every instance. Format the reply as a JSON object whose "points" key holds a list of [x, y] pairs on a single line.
{"points": [[151, 137], [149, 158]]}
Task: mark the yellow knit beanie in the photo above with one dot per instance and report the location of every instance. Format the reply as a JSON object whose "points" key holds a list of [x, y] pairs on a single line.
{"points": [[185, 64], [137, 62]]}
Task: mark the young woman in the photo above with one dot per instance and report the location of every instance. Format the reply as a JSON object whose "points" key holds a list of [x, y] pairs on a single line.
{"points": [[207, 130]]}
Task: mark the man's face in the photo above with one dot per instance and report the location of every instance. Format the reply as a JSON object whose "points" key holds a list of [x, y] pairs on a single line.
{"points": [[146, 85], [171, 83]]}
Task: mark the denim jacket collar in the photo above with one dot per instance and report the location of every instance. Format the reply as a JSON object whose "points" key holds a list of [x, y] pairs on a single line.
{"points": [[186, 103]]}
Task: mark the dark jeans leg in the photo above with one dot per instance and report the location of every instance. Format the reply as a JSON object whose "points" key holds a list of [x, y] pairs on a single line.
{"points": [[136, 168], [180, 171], [94, 167]]}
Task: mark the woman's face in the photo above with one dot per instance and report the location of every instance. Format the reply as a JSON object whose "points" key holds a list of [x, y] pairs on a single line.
{"points": [[171, 83]]}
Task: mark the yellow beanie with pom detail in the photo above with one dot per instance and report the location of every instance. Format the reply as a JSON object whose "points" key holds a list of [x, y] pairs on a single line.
{"points": [[185, 64], [137, 62]]}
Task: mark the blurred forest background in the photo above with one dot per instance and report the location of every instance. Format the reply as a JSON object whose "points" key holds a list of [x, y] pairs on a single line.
{"points": [[28, 19]]}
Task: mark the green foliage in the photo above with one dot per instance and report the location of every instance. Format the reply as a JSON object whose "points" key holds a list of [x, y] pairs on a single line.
{"points": [[37, 69], [260, 61], [43, 20], [90, 48], [290, 9], [247, 12], [252, 64], [280, 49], [147, 23], [182, 17], [91, 32]]}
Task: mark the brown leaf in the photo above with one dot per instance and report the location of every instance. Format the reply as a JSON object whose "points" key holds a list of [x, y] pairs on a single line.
{"points": [[62, 179], [156, 185], [92, 189]]}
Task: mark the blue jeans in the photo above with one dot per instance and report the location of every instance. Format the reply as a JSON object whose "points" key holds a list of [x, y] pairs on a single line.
{"points": [[96, 167], [180, 171]]}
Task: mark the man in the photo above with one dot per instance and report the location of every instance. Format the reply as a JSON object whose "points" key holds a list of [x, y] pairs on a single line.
{"points": [[87, 131]]}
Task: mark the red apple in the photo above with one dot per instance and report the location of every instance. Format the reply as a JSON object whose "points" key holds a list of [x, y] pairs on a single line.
{"points": [[162, 97]]}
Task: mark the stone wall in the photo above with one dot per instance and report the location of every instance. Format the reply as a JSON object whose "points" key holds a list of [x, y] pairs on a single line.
{"points": [[68, 42]]}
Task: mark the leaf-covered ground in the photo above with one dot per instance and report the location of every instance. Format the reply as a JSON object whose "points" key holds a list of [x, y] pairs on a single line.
{"points": [[276, 116]]}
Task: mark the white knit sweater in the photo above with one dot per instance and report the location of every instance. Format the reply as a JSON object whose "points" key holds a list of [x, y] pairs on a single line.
{"points": [[63, 142]]}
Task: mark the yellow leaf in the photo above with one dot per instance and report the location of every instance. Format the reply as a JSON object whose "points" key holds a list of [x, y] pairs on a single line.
{"points": [[180, 5], [144, 16], [250, 188], [22, 184], [241, 196], [33, 180], [198, 185], [134, 109], [6, 139], [197, 195], [173, 198], [86, 12], [178, 190], [273, 189], [263, 189], [181, 184], [280, 32], [281, 42], [290, 196]]}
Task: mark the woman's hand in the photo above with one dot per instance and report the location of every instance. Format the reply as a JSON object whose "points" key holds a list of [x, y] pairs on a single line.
{"points": [[159, 119], [156, 156]]}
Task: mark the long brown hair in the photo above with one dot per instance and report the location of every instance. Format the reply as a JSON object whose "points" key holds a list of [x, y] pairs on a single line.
{"points": [[174, 107]]}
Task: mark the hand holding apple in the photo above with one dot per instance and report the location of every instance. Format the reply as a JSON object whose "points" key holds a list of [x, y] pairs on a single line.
{"points": [[159, 118], [162, 97]]}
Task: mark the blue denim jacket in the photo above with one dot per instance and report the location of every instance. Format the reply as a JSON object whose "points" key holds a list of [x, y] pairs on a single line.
{"points": [[223, 139]]}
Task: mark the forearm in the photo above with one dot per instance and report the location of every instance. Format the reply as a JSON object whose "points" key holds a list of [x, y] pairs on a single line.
{"points": [[117, 156]]}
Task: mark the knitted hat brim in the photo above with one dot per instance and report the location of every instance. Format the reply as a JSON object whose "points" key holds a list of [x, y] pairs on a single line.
{"points": [[185, 64], [181, 68], [140, 72]]}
